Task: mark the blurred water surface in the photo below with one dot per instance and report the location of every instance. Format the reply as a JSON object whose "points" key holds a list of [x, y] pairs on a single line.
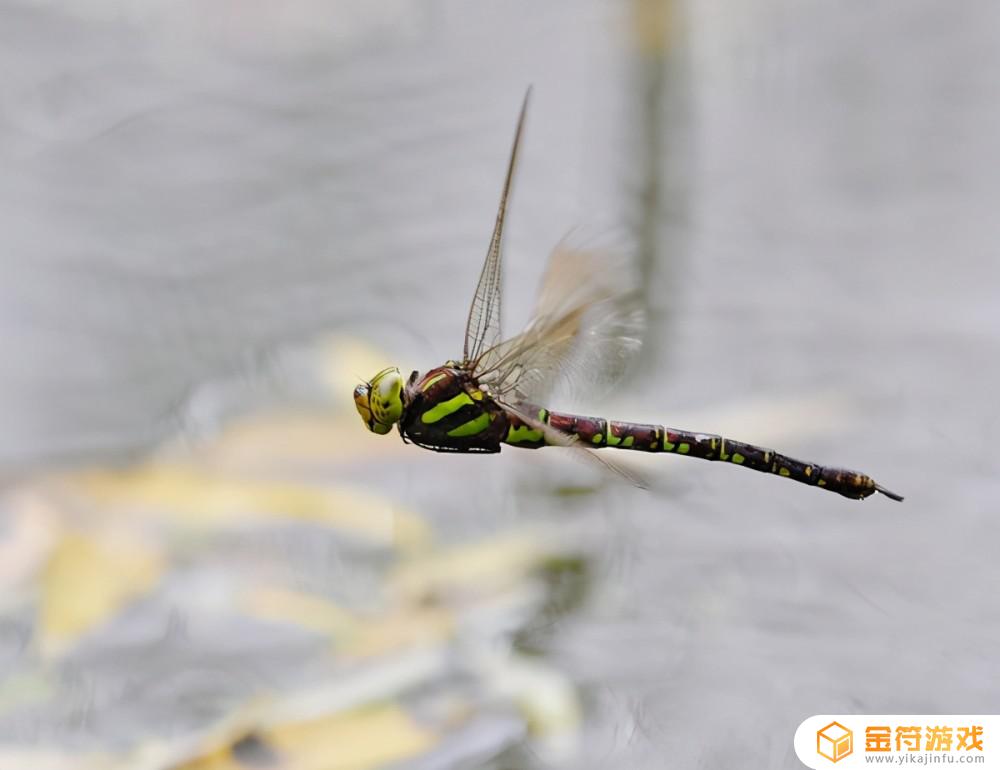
{"points": [[186, 191]]}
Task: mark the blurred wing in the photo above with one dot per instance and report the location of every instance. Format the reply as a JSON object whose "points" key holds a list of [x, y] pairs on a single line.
{"points": [[586, 328], [482, 329]]}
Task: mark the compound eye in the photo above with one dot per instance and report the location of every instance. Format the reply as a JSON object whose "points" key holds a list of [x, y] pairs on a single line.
{"points": [[380, 402], [363, 404]]}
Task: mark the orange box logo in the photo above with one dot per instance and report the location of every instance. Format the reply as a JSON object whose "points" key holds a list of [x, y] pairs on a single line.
{"points": [[834, 742]]}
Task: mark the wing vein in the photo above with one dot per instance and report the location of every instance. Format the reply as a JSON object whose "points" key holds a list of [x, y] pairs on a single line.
{"points": [[482, 328]]}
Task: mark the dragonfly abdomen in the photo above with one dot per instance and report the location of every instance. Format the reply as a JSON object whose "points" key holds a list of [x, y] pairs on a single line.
{"points": [[596, 432]]}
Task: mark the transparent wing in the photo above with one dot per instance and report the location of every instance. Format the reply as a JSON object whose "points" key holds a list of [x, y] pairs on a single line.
{"points": [[555, 437], [482, 329], [585, 330]]}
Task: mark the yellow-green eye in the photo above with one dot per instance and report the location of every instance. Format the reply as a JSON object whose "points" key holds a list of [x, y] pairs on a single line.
{"points": [[380, 402], [361, 403]]}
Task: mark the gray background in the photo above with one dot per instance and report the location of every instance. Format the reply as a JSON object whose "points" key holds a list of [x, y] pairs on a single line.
{"points": [[186, 190]]}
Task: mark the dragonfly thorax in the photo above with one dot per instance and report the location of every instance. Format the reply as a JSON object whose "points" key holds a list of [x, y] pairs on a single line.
{"points": [[380, 401]]}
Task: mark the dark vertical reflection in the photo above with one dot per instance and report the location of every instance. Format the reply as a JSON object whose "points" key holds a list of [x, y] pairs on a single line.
{"points": [[661, 157]]}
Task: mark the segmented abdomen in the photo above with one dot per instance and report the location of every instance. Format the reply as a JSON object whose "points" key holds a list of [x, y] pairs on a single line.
{"points": [[597, 433]]}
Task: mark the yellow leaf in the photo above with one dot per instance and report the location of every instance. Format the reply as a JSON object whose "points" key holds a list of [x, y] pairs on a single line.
{"points": [[261, 443], [217, 759], [354, 635], [200, 498], [317, 614], [400, 630], [371, 737], [87, 580], [368, 738], [475, 568]]}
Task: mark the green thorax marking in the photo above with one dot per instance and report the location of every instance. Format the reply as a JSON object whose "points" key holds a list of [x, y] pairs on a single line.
{"points": [[433, 381], [440, 411], [472, 427]]}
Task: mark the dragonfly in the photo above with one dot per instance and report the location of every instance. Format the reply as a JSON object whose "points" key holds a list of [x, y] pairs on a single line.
{"points": [[491, 397]]}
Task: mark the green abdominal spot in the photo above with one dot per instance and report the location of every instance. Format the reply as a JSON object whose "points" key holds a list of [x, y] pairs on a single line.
{"points": [[519, 433], [472, 427]]}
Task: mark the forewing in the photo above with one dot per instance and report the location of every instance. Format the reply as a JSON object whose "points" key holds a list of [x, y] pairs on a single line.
{"points": [[586, 327], [482, 329]]}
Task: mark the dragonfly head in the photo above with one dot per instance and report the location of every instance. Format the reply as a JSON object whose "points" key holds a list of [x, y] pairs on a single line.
{"points": [[380, 402]]}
